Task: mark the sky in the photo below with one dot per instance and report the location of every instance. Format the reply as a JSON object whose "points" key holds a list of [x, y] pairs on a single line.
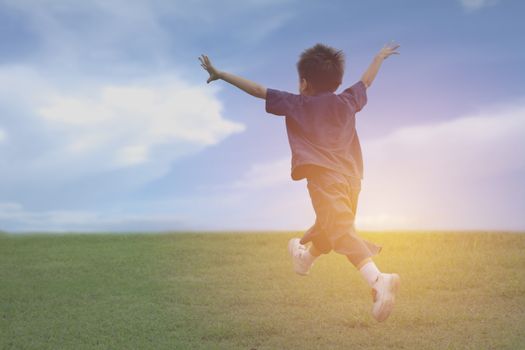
{"points": [[107, 123]]}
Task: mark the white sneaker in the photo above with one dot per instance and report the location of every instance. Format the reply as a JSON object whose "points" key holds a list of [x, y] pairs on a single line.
{"points": [[297, 251], [384, 293]]}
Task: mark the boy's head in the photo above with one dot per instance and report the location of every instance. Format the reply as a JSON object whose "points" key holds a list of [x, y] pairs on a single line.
{"points": [[320, 69]]}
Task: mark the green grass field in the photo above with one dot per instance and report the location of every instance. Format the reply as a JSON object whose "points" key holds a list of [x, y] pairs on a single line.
{"points": [[238, 291]]}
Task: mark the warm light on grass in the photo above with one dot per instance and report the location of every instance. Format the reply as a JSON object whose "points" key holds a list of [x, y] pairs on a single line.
{"points": [[238, 291]]}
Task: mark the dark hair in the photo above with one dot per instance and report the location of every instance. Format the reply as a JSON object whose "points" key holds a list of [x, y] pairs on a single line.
{"points": [[322, 66]]}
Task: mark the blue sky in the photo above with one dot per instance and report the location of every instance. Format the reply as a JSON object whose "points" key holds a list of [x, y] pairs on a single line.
{"points": [[107, 124]]}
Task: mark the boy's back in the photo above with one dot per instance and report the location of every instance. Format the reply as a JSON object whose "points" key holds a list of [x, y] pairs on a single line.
{"points": [[321, 129]]}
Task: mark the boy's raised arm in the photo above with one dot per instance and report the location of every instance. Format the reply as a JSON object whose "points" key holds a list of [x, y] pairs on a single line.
{"points": [[370, 74], [246, 85]]}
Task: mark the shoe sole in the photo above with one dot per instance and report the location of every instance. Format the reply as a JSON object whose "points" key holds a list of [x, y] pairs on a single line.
{"points": [[388, 304], [290, 251]]}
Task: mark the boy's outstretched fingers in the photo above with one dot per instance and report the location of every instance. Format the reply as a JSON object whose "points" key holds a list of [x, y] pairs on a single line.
{"points": [[206, 65], [203, 62], [390, 49]]}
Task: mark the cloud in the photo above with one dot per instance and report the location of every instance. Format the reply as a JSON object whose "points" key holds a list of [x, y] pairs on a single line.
{"points": [[3, 135], [462, 173], [121, 125], [14, 217], [16, 212], [473, 5], [264, 175], [91, 145], [130, 121]]}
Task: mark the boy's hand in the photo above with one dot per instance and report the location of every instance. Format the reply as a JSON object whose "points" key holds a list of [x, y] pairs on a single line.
{"points": [[389, 49], [370, 74], [206, 64], [245, 85]]}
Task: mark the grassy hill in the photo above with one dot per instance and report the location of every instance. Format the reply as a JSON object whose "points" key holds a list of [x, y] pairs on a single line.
{"points": [[238, 291]]}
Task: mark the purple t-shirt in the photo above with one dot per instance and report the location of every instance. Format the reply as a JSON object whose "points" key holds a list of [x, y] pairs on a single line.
{"points": [[321, 129]]}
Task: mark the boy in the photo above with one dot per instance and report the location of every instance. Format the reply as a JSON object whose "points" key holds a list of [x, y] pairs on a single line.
{"points": [[326, 151]]}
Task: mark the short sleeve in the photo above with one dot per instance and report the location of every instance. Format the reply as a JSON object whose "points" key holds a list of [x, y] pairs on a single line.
{"points": [[281, 102], [356, 95]]}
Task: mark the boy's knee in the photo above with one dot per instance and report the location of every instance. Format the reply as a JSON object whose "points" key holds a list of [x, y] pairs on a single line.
{"points": [[322, 245]]}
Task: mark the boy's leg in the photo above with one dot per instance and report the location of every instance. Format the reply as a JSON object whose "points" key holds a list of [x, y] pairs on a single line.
{"points": [[369, 271], [302, 257], [314, 251], [384, 287], [311, 255]]}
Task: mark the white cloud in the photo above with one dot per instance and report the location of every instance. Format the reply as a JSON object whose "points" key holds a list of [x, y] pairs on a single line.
{"points": [[449, 175], [20, 219], [473, 5], [96, 127], [3, 135], [131, 120], [132, 155], [264, 175]]}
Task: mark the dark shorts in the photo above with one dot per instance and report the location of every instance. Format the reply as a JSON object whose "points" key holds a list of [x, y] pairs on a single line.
{"points": [[334, 198]]}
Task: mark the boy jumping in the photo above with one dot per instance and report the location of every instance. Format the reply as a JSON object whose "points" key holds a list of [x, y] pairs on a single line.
{"points": [[326, 151]]}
